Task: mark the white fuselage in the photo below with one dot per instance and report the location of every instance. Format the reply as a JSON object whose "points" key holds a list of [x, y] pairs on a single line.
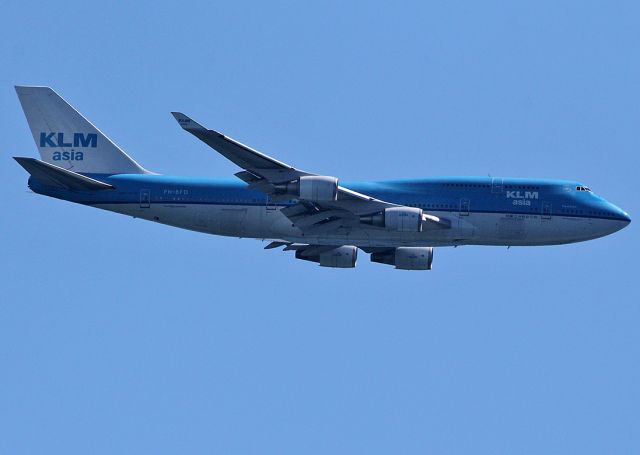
{"points": [[262, 222]]}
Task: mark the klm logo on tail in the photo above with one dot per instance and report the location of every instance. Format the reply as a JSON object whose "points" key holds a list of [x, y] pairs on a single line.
{"points": [[79, 140], [58, 140]]}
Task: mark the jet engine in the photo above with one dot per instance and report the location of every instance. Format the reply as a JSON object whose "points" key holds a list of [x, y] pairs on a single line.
{"points": [[315, 188], [403, 219], [343, 257], [406, 258]]}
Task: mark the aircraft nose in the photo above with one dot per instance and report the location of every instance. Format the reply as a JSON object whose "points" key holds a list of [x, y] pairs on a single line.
{"points": [[626, 217], [621, 214]]}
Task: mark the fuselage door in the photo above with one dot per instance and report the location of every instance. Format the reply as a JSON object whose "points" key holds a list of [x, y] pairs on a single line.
{"points": [[271, 205], [145, 199], [546, 211], [464, 207], [496, 185]]}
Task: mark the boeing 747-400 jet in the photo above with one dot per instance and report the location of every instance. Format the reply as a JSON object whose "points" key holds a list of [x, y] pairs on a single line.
{"points": [[318, 217]]}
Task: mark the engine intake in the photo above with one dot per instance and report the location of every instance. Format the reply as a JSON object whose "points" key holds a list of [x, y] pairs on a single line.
{"points": [[402, 219], [406, 258], [343, 257], [315, 188]]}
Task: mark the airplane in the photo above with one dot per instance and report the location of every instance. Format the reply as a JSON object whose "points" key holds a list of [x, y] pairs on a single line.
{"points": [[319, 217]]}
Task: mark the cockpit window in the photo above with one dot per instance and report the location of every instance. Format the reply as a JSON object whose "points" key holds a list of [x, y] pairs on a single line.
{"points": [[583, 188]]}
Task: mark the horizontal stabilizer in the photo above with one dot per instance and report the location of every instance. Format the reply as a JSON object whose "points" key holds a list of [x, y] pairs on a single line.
{"points": [[53, 175]]}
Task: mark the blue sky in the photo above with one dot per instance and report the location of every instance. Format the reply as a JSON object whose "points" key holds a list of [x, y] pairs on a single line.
{"points": [[123, 336]]}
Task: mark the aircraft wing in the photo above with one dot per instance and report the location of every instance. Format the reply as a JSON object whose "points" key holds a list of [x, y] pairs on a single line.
{"points": [[256, 163], [269, 175]]}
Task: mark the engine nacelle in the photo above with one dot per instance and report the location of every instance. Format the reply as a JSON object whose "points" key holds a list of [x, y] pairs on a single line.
{"points": [[315, 188], [406, 257], [343, 257], [402, 219], [318, 188]]}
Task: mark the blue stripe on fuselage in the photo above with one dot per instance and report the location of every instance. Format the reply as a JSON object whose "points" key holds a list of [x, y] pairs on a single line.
{"points": [[448, 194]]}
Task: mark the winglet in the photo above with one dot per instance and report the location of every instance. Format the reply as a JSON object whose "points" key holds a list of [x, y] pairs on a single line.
{"points": [[186, 122]]}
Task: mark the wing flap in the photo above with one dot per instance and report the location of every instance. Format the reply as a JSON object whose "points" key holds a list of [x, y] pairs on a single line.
{"points": [[276, 244], [305, 221]]}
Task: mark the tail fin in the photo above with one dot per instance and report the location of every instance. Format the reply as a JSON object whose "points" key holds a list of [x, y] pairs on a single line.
{"points": [[68, 140]]}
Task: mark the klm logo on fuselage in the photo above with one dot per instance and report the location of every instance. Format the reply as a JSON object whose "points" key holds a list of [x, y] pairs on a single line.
{"points": [[522, 194], [57, 140], [522, 197]]}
